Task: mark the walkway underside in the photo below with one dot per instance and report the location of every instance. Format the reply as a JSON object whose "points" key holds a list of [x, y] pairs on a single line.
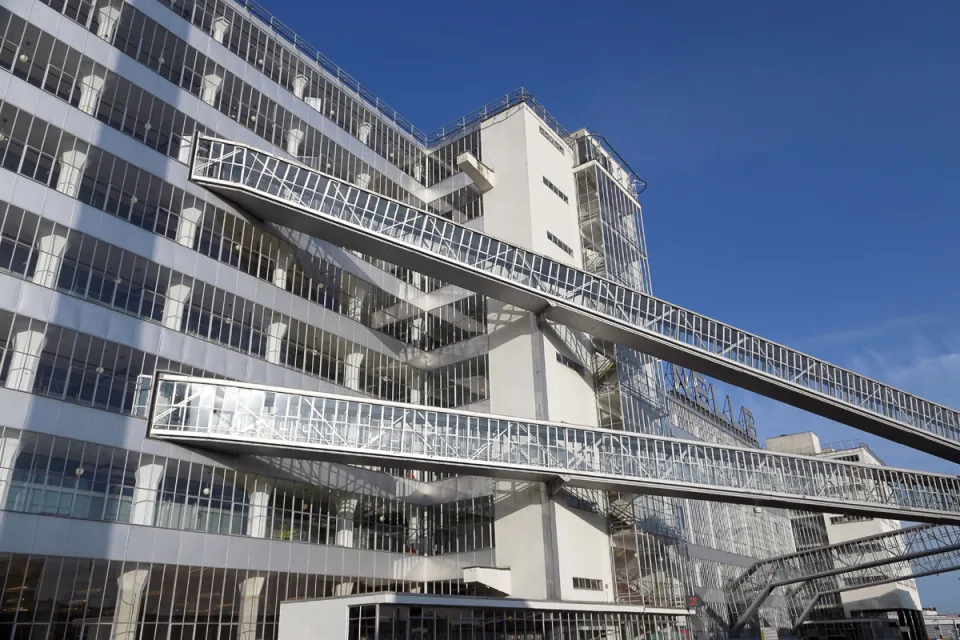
{"points": [[870, 557], [299, 198], [244, 418]]}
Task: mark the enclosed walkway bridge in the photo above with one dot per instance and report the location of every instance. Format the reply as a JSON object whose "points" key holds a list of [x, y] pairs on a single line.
{"points": [[884, 557], [244, 418], [302, 199]]}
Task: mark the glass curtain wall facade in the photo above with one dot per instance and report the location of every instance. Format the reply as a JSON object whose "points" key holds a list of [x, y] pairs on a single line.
{"points": [[113, 266]]}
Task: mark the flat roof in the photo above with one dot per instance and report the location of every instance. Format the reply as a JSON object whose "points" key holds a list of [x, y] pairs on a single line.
{"points": [[468, 602]]}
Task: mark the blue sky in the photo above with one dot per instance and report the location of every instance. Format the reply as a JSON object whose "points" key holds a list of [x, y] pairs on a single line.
{"points": [[803, 158]]}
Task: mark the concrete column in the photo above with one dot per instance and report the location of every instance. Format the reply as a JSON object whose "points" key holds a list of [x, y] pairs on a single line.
{"points": [[187, 229], [294, 140], [91, 88], [129, 598], [186, 145], [250, 590], [413, 533], [173, 309], [258, 510], [315, 103], [363, 133], [300, 85], [346, 515], [220, 27], [108, 16], [285, 259], [50, 249], [416, 330], [211, 87], [144, 508], [418, 172], [275, 333], [24, 359], [343, 589], [71, 172], [9, 448], [355, 304], [351, 371], [363, 180]]}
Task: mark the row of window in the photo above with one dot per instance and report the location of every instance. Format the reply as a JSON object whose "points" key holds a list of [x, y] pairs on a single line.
{"points": [[32, 148], [571, 363], [556, 190], [63, 598], [125, 107], [560, 243], [590, 584], [149, 43], [72, 478], [106, 274]]}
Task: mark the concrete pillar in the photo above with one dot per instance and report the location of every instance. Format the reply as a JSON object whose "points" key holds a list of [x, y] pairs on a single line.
{"points": [[363, 133], [351, 372], [174, 307], [187, 229], [211, 87], [186, 145], [300, 83], [294, 140], [250, 590], [71, 172], [416, 330], [108, 16], [129, 598], [346, 515], [285, 259], [413, 533], [258, 510], [363, 180], [355, 304], [418, 172], [343, 589], [9, 448], [275, 333], [50, 249], [220, 27], [24, 359], [144, 508], [91, 88], [315, 103]]}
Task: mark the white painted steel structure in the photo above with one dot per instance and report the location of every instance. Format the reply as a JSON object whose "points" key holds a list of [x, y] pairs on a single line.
{"points": [[303, 199], [873, 556], [247, 418]]}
